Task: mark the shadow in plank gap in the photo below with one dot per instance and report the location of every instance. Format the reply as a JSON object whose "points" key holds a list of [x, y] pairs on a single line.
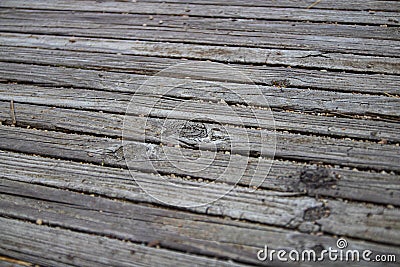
{"points": [[175, 137]]}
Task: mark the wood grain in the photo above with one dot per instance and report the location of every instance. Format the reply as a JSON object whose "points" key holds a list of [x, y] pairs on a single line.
{"points": [[311, 59], [79, 189], [110, 124], [227, 11], [290, 146], [327, 38], [36, 244], [284, 175], [335, 5], [196, 233]]}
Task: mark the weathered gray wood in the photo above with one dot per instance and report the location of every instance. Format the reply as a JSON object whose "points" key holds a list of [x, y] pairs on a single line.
{"points": [[100, 124], [68, 98], [296, 203], [338, 4], [275, 57], [300, 100], [111, 56], [87, 250], [367, 40], [289, 146], [227, 11], [375, 187], [103, 124], [182, 230], [110, 124], [213, 26], [50, 246], [369, 186]]}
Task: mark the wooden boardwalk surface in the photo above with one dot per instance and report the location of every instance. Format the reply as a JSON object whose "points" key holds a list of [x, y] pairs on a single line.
{"points": [[329, 70]]}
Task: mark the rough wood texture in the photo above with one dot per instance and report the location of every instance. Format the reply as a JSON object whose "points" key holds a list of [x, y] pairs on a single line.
{"points": [[112, 56], [338, 4], [290, 146], [325, 38], [226, 11], [180, 230], [265, 206], [77, 188], [110, 124], [336, 182], [36, 245], [276, 97], [263, 56]]}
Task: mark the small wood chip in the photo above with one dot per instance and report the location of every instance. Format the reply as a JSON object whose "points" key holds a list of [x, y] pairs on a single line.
{"points": [[12, 113], [383, 142], [153, 243], [313, 4]]}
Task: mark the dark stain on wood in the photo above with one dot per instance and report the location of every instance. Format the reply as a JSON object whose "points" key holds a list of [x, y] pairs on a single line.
{"points": [[317, 177], [193, 130], [316, 213], [280, 83]]}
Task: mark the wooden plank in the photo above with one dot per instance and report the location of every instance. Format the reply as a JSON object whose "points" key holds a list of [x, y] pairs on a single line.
{"points": [[299, 100], [231, 54], [112, 56], [366, 40], [284, 175], [337, 150], [110, 124], [335, 5], [103, 124], [95, 250], [50, 246], [214, 26], [185, 231], [268, 13]]}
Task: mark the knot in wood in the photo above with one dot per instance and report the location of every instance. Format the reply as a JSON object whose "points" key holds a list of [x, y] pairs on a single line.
{"points": [[193, 130], [316, 213], [317, 177]]}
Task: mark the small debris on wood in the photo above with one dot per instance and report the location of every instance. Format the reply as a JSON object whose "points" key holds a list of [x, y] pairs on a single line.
{"points": [[314, 4], [280, 83], [383, 142], [154, 243], [390, 95], [12, 113]]}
